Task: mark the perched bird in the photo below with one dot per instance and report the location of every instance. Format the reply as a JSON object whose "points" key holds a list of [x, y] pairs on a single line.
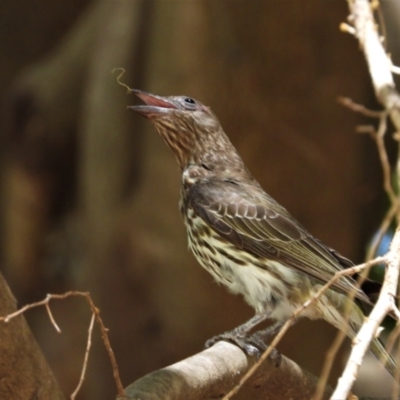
{"points": [[243, 237]]}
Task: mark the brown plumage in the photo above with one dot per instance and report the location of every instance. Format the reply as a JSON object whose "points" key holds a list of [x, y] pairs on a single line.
{"points": [[242, 236]]}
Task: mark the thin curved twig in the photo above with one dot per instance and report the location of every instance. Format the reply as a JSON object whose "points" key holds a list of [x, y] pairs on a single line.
{"points": [[95, 314]]}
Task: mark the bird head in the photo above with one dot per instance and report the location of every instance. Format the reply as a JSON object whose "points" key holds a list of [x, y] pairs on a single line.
{"points": [[188, 127]]}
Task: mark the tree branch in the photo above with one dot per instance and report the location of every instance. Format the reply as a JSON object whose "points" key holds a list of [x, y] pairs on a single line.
{"points": [[369, 330], [215, 371], [378, 62], [380, 70]]}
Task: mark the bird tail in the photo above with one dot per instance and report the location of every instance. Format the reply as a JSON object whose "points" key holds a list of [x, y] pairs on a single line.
{"points": [[352, 324], [376, 346], [379, 351]]}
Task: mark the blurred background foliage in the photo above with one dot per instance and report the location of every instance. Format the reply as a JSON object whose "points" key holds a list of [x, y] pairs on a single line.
{"points": [[89, 193]]}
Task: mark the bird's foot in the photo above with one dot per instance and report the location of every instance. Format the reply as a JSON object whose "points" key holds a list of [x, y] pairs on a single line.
{"points": [[257, 339], [239, 335], [238, 338], [253, 345]]}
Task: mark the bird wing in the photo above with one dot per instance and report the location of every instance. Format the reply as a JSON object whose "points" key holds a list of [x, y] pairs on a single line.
{"points": [[254, 222]]}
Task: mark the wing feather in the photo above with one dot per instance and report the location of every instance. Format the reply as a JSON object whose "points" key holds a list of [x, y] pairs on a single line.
{"points": [[256, 223]]}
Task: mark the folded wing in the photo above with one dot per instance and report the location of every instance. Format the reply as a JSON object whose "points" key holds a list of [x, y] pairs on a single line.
{"points": [[257, 224]]}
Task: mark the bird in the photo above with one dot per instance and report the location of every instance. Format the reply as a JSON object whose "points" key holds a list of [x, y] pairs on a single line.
{"points": [[244, 238]]}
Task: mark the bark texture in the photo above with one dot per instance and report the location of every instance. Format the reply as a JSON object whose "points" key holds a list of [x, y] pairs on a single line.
{"points": [[24, 371]]}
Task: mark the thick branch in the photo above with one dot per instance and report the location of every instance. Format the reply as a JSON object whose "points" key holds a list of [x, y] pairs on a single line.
{"points": [[379, 67], [215, 371], [378, 62]]}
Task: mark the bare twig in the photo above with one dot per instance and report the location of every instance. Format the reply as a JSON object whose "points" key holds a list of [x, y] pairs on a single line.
{"points": [[349, 103], [387, 176], [340, 336], [378, 135], [329, 359], [395, 69], [347, 28], [53, 321], [385, 224], [96, 315], [85, 360]]}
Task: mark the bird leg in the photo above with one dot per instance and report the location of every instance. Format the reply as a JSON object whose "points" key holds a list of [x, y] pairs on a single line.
{"points": [[239, 335], [260, 338], [256, 343]]}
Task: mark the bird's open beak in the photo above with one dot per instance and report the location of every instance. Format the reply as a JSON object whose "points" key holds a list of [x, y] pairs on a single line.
{"points": [[154, 105]]}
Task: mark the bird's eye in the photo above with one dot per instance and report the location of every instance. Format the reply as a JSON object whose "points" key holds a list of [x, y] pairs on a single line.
{"points": [[189, 100]]}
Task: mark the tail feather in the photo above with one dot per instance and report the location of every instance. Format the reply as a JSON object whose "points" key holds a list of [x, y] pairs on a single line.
{"points": [[376, 346], [379, 351], [353, 325]]}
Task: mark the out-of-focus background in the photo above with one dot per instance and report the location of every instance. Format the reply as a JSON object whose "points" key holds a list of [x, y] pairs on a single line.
{"points": [[89, 193]]}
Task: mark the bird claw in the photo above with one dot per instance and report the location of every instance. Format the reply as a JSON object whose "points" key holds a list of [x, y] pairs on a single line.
{"points": [[227, 336], [253, 345], [258, 340], [236, 338]]}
